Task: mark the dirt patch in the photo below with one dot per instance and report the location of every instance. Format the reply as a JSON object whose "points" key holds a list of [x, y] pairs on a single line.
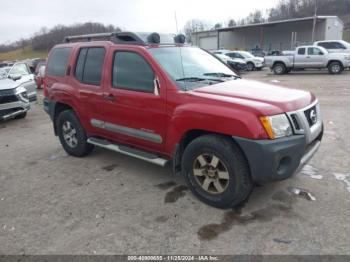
{"points": [[281, 196], [110, 167], [166, 185], [234, 217], [174, 195], [161, 219]]}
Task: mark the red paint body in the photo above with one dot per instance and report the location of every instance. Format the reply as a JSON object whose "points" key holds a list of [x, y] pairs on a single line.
{"points": [[231, 108]]}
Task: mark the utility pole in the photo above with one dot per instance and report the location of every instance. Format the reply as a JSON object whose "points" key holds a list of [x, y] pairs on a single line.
{"points": [[314, 24], [177, 29]]}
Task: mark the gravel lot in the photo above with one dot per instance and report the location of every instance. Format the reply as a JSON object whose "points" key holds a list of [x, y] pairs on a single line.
{"points": [[107, 203]]}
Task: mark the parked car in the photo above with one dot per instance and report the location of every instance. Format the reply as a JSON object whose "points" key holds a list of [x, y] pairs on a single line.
{"points": [[306, 57], [236, 64], [334, 46], [177, 105], [40, 75], [253, 62], [36, 63], [21, 73], [14, 102]]}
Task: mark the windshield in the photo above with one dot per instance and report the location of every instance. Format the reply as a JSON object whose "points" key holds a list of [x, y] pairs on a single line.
{"points": [[3, 74], [246, 54], [191, 67]]}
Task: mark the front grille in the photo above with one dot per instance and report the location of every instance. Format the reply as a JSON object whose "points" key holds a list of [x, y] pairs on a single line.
{"points": [[9, 111], [296, 124], [8, 96], [311, 116]]}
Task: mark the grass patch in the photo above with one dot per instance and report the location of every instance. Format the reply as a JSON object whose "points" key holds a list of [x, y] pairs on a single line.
{"points": [[21, 54]]}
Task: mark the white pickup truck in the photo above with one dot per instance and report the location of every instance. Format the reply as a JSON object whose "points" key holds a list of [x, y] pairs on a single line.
{"points": [[305, 57]]}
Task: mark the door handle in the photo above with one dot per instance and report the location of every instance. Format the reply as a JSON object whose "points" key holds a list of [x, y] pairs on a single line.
{"points": [[109, 97], [308, 57]]}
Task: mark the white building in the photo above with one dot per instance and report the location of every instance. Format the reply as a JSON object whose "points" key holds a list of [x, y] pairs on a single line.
{"points": [[278, 35]]}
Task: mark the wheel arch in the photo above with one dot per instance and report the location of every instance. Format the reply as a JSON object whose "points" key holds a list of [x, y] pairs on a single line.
{"points": [[279, 62], [59, 107], [187, 138], [335, 60]]}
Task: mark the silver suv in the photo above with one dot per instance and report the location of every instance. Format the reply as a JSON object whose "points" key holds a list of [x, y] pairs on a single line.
{"points": [[14, 100]]}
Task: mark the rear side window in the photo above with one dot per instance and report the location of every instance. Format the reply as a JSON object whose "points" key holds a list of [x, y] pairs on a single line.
{"points": [[89, 65], [132, 72], [301, 51], [58, 61]]}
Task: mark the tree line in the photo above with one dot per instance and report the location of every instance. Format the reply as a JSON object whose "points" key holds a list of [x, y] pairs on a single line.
{"points": [[45, 39]]}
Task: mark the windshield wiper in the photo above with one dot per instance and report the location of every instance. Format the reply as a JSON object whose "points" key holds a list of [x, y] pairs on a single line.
{"points": [[220, 75], [198, 79]]}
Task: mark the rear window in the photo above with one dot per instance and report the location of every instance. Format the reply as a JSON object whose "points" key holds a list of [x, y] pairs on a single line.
{"points": [[89, 65], [301, 51], [58, 61]]}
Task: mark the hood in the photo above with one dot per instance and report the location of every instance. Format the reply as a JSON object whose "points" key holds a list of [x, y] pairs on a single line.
{"points": [[238, 60], [258, 59], [266, 99], [7, 83]]}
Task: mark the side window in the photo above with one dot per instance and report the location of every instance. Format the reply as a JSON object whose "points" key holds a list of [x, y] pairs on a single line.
{"points": [[301, 51], [89, 65], [314, 51], [324, 44], [79, 68], [19, 69], [57, 63], [338, 45], [132, 72]]}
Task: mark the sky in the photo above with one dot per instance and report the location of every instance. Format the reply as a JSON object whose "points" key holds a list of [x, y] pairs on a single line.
{"points": [[22, 18]]}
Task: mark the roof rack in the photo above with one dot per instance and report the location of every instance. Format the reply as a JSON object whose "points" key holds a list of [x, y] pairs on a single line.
{"points": [[129, 38]]}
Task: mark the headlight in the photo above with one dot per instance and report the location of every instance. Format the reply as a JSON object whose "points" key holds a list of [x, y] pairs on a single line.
{"points": [[20, 90], [347, 57], [276, 126]]}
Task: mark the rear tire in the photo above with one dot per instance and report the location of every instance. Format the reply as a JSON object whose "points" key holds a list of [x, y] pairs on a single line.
{"points": [[72, 134], [335, 68], [216, 171], [279, 69]]}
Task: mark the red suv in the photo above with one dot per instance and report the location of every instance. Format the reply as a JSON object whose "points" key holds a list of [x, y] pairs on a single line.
{"points": [[152, 97]]}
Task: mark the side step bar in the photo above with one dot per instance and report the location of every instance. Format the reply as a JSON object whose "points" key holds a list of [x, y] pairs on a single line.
{"points": [[129, 151]]}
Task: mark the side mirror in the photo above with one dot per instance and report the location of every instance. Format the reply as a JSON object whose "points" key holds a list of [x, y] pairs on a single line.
{"points": [[15, 77], [320, 53]]}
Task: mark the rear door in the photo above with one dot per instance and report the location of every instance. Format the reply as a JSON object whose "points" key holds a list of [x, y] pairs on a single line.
{"points": [[134, 110], [87, 83], [300, 59]]}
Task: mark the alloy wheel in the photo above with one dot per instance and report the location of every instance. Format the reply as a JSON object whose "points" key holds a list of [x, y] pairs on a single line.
{"points": [[211, 173], [69, 134]]}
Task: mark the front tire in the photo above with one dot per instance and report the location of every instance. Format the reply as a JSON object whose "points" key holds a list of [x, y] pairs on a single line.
{"points": [[72, 134], [335, 68], [216, 171], [250, 66]]}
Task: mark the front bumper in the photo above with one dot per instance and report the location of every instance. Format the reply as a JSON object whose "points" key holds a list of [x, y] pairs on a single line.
{"points": [[274, 160], [11, 110]]}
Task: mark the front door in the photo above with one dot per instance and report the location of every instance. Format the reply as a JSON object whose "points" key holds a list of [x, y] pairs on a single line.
{"points": [[315, 56], [135, 99]]}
